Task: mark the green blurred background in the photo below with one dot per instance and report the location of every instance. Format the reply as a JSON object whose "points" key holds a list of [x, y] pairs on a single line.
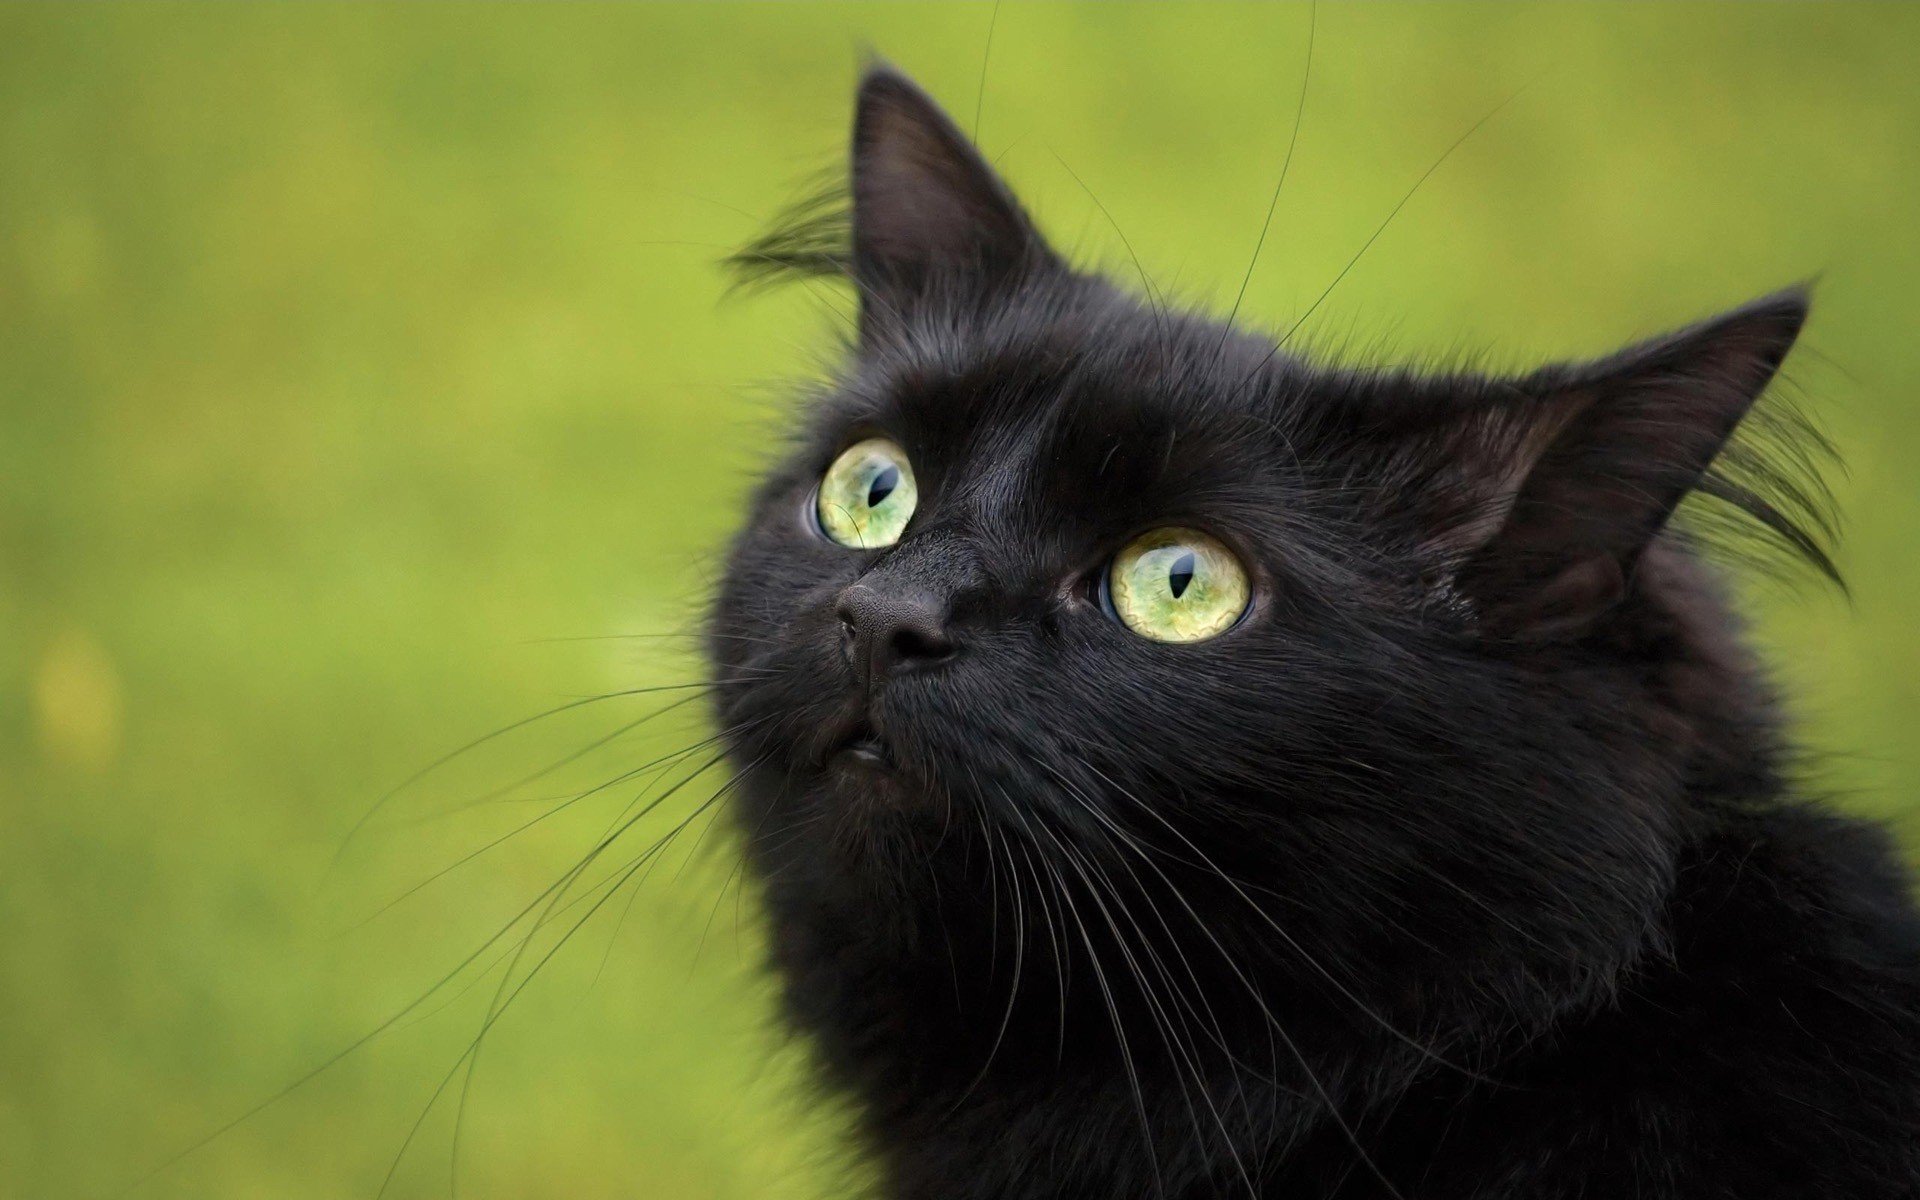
{"points": [[357, 363]]}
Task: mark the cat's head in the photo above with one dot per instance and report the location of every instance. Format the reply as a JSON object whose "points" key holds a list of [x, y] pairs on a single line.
{"points": [[1390, 678]]}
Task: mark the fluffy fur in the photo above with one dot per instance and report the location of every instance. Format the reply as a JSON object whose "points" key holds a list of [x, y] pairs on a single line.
{"points": [[1467, 866]]}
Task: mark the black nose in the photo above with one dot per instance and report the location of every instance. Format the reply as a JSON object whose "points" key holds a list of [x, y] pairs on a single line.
{"points": [[884, 632]]}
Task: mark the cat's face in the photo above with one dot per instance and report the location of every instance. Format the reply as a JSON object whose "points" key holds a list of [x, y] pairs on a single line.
{"points": [[1054, 568], [938, 561]]}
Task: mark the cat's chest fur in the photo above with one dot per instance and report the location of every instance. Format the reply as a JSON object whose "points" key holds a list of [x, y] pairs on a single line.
{"points": [[1714, 1071]]}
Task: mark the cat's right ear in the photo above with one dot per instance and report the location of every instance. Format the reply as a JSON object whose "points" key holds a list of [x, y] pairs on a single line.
{"points": [[1543, 492], [930, 218]]}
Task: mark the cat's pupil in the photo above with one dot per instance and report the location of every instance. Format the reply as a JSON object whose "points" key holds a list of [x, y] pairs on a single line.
{"points": [[882, 486], [1180, 574]]}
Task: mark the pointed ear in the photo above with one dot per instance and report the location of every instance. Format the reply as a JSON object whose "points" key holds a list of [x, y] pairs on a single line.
{"points": [[928, 212], [1602, 455]]}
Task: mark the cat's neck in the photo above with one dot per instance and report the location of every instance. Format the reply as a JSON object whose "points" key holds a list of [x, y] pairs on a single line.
{"points": [[963, 1098]]}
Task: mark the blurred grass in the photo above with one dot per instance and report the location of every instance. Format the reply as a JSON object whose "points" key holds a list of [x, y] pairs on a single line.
{"points": [[346, 352]]}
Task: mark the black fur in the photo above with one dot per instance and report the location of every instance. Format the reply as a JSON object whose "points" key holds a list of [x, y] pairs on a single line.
{"points": [[1468, 865]]}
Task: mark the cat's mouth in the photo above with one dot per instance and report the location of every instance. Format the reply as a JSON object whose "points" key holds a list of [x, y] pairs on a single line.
{"points": [[867, 751], [858, 743], [862, 746]]}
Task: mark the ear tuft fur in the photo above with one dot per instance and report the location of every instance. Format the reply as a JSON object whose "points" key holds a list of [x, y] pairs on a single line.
{"points": [[812, 238], [922, 214]]}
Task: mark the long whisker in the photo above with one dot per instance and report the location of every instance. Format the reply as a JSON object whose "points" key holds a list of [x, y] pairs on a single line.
{"points": [[1180, 1050], [995, 839], [1149, 1144], [347, 839], [1378, 230], [1267, 918], [685, 634], [1156, 303], [1056, 935], [665, 759], [611, 886], [576, 755], [503, 1000], [1217, 1034], [980, 91], [1286, 164], [397, 1017], [1313, 1080]]}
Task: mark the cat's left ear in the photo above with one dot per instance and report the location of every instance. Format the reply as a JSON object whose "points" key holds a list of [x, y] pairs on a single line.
{"points": [[1593, 459], [930, 217]]}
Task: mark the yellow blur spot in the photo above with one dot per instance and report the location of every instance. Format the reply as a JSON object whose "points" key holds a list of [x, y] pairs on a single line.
{"points": [[78, 703]]}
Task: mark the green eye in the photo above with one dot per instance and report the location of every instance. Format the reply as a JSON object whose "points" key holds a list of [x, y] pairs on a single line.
{"points": [[1177, 585], [867, 495]]}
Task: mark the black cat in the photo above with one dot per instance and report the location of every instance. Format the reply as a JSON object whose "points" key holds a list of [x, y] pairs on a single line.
{"points": [[1174, 769]]}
